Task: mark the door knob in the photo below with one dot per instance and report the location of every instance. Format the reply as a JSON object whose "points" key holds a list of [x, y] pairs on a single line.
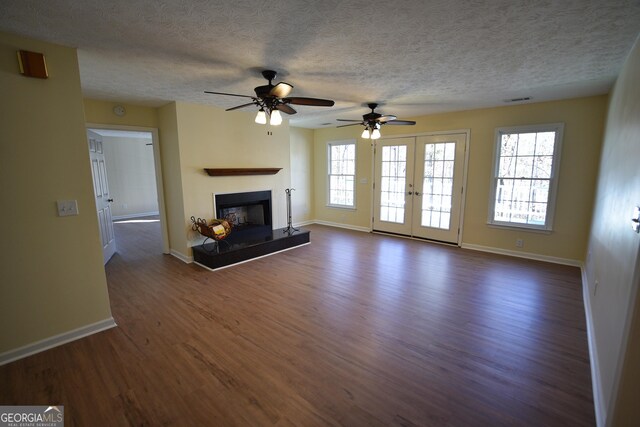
{"points": [[409, 193], [417, 194], [109, 200]]}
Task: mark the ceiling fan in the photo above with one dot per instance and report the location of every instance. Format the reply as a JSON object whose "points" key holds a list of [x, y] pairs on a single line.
{"points": [[271, 99], [373, 121]]}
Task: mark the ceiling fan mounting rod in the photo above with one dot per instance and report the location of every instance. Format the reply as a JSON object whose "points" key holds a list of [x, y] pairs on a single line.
{"points": [[269, 75]]}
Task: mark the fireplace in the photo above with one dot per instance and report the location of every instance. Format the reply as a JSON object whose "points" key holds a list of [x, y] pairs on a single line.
{"points": [[250, 211], [252, 235]]}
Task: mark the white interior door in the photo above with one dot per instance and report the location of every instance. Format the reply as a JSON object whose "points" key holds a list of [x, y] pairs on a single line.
{"points": [[394, 163], [418, 186], [438, 180], [101, 191]]}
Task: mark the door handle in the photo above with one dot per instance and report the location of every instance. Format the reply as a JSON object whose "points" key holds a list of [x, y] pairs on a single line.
{"points": [[109, 200], [417, 194], [409, 193]]}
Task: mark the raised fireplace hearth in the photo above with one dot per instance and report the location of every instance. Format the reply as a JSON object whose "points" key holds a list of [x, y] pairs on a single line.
{"points": [[252, 233], [255, 243]]}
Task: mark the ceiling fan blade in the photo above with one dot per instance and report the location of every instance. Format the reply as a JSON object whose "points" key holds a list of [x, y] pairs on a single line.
{"points": [[400, 122], [315, 102], [350, 124], [239, 106], [285, 109], [281, 90], [385, 119], [349, 120], [228, 94]]}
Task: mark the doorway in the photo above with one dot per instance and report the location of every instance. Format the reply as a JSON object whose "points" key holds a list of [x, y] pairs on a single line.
{"points": [[419, 186], [134, 177]]}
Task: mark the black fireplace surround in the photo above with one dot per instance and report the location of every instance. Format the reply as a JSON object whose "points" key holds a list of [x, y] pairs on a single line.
{"points": [[251, 236], [246, 211]]}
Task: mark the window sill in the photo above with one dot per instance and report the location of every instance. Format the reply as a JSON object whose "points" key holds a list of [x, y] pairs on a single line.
{"points": [[519, 228], [348, 208]]}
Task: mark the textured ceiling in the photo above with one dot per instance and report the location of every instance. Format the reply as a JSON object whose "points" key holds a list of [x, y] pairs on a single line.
{"points": [[414, 57]]}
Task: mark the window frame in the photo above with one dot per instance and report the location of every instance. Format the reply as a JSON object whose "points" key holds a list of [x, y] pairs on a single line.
{"points": [[331, 144], [558, 128]]}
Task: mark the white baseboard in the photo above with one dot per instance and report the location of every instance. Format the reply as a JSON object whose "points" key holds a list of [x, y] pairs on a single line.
{"points": [[303, 223], [519, 254], [252, 259], [596, 383], [56, 340], [136, 215], [339, 225], [182, 257]]}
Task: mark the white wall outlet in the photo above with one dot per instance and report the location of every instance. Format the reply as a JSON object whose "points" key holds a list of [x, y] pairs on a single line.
{"points": [[519, 243], [67, 207], [364, 180]]}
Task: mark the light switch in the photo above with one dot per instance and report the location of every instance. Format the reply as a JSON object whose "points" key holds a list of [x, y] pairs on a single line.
{"points": [[363, 180], [67, 207]]}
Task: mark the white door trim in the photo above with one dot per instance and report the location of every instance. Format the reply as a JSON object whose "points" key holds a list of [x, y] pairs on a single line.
{"points": [[158, 167], [467, 133]]}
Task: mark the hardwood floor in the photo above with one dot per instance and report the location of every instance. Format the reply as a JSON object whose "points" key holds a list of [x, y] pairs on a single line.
{"points": [[354, 329]]}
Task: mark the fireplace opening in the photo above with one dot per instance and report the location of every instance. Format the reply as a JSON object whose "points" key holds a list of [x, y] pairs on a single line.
{"points": [[247, 211]]}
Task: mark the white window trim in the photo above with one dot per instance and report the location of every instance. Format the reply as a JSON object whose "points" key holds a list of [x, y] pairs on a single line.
{"points": [[558, 128], [328, 174]]}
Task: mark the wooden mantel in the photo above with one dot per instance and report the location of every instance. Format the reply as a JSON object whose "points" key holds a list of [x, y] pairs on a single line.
{"points": [[242, 171]]}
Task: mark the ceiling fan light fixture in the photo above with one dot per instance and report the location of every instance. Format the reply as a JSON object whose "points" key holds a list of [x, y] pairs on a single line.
{"points": [[365, 133], [261, 117], [375, 134], [276, 118]]}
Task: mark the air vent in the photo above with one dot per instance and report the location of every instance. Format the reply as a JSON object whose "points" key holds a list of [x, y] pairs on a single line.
{"points": [[524, 98]]}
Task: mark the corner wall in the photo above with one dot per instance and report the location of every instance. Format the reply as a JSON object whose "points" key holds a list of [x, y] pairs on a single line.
{"points": [[52, 276], [302, 175], [210, 137], [612, 266]]}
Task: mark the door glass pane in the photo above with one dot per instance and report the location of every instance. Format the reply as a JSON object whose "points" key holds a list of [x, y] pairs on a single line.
{"points": [[392, 183], [437, 185]]}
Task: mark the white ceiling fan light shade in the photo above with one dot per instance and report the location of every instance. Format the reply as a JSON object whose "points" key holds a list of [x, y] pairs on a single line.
{"points": [[365, 134], [261, 117], [276, 118], [375, 134], [281, 90]]}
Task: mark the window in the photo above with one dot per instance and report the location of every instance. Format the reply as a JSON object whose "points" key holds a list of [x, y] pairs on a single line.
{"points": [[525, 176], [342, 173]]}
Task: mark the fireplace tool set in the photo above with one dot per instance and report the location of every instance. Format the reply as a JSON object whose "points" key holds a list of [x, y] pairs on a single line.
{"points": [[290, 228]]}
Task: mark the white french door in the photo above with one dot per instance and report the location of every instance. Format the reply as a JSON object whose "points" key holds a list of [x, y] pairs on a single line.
{"points": [[101, 191], [418, 186], [394, 162]]}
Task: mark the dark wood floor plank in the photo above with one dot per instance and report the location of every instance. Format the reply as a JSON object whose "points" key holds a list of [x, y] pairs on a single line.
{"points": [[354, 329]]}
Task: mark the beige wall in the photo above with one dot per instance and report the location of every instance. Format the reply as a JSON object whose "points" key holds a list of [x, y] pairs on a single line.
{"points": [[360, 217], [613, 262], [210, 137], [52, 277], [131, 174], [193, 137], [584, 123], [101, 112], [301, 174], [172, 178]]}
